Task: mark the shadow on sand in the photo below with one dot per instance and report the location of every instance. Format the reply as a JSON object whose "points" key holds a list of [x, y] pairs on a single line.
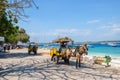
{"points": [[41, 69], [17, 55], [73, 64]]}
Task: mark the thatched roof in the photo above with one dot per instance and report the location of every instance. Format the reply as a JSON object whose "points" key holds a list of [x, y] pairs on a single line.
{"points": [[63, 39]]}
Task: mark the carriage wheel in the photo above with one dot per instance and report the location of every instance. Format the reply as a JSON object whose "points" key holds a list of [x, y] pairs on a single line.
{"points": [[29, 52], [66, 61], [55, 59], [35, 52]]}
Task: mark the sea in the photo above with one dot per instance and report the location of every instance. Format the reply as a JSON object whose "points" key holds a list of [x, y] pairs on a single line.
{"points": [[100, 49]]}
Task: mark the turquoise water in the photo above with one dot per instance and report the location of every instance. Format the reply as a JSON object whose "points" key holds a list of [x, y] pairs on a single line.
{"points": [[111, 51], [93, 49]]}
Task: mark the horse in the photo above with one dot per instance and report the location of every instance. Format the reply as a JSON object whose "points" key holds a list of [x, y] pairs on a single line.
{"points": [[79, 51]]}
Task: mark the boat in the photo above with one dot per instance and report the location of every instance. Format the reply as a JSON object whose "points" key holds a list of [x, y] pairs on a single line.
{"points": [[90, 46], [103, 43], [113, 44]]}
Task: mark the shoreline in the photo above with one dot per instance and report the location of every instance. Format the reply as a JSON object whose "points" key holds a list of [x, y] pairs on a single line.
{"points": [[114, 62], [44, 51], [103, 54]]}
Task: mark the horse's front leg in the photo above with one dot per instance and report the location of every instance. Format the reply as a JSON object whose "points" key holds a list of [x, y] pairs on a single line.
{"points": [[79, 61], [76, 63]]}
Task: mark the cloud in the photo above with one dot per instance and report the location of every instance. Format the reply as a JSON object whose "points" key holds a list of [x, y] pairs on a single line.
{"points": [[116, 28], [34, 34], [65, 31], [105, 32], [72, 32], [61, 33], [110, 31], [93, 21]]}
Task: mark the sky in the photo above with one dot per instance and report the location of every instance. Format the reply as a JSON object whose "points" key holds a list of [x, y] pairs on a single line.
{"points": [[81, 20]]}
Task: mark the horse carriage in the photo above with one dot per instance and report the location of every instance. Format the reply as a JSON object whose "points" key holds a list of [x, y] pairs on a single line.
{"points": [[60, 54], [32, 48], [65, 52]]}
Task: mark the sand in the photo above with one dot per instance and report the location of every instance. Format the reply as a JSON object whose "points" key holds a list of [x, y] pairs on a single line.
{"points": [[18, 65]]}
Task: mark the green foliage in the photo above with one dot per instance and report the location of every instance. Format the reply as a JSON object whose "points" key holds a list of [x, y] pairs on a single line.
{"points": [[8, 29], [3, 4], [22, 36]]}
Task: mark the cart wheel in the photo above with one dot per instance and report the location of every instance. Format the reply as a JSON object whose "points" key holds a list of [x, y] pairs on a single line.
{"points": [[35, 52], [66, 61], [55, 59], [29, 52]]}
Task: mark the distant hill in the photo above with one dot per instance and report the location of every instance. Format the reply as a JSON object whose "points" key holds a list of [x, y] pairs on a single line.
{"points": [[91, 42]]}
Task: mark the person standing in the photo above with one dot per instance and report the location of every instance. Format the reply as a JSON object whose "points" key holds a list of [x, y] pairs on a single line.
{"points": [[4, 47]]}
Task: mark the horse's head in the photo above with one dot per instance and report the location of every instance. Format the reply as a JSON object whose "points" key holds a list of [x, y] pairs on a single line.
{"points": [[84, 49], [85, 44]]}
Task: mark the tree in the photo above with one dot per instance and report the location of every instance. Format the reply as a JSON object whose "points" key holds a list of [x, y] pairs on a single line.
{"points": [[11, 32], [10, 11], [17, 6], [22, 36], [6, 24]]}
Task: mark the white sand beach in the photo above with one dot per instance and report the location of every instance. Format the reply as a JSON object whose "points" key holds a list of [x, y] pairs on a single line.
{"points": [[18, 65]]}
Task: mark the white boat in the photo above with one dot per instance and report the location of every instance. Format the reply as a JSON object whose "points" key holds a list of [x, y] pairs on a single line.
{"points": [[112, 44], [90, 46]]}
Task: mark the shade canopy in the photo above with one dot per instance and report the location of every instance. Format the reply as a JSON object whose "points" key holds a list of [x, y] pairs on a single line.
{"points": [[63, 39]]}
